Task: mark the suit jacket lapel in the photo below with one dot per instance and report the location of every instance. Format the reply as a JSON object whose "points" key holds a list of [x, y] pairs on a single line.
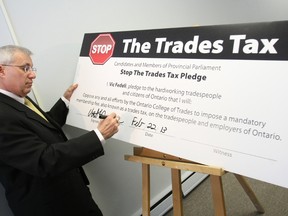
{"points": [[36, 117], [28, 112]]}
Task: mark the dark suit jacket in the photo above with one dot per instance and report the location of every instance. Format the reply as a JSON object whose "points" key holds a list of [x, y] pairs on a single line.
{"points": [[39, 167]]}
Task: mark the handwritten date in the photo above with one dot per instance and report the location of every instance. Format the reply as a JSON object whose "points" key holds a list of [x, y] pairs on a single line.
{"points": [[139, 123]]}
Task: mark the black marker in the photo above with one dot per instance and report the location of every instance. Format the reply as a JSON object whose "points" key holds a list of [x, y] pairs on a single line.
{"points": [[102, 116]]}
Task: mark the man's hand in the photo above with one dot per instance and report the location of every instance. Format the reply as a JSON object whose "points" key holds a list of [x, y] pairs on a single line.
{"points": [[68, 93], [109, 126]]}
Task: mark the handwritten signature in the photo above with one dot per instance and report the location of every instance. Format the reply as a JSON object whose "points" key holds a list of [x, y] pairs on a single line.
{"points": [[95, 113]]}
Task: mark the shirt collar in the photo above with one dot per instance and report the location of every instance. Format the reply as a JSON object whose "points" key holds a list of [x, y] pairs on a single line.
{"points": [[10, 94]]}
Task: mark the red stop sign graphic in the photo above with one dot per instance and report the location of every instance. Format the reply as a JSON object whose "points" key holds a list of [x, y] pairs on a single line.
{"points": [[101, 49]]}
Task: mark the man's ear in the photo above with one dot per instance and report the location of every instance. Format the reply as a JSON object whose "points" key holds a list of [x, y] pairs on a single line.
{"points": [[2, 71]]}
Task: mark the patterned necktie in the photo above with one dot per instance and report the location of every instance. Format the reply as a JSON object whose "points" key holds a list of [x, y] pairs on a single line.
{"points": [[32, 107]]}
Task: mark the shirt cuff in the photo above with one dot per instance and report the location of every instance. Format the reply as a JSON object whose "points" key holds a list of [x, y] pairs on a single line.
{"points": [[67, 102], [100, 136]]}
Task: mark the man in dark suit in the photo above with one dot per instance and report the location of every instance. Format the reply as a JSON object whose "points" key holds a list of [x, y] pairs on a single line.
{"points": [[39, 168]]}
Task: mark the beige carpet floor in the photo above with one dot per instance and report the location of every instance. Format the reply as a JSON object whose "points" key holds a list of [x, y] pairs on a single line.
{"points": [[273, 198]]}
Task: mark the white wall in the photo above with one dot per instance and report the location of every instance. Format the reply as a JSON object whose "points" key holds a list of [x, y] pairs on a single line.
{"points": [[54, 29]]}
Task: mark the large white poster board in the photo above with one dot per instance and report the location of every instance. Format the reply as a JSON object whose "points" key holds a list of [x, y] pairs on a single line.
{"points": [[213, 94]]}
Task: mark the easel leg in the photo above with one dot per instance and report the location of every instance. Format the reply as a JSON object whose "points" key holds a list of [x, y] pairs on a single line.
{"points": [[218, 195], [177, 192], [145, 190], [250, 193]]}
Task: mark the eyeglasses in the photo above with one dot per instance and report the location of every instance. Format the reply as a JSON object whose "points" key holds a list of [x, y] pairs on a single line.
{"points": [[25, 68]]}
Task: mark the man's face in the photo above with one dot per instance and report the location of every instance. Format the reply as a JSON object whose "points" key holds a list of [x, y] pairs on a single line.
{"points": [[15, 79]]}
